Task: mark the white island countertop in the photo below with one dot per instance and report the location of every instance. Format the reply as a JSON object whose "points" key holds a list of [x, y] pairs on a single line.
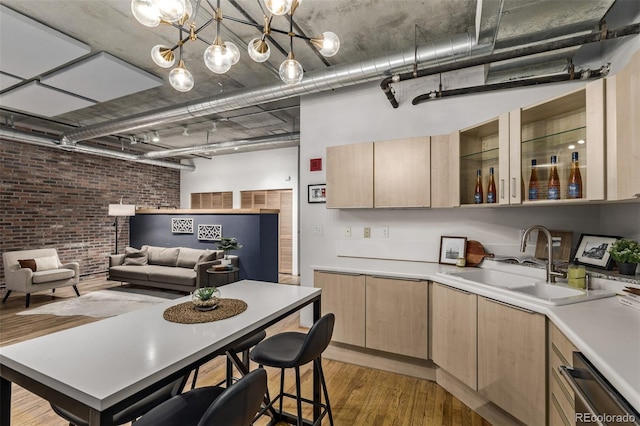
{"points": [[604, 330]]}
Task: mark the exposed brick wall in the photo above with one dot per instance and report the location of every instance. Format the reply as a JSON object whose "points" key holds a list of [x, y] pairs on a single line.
{"points": [[54, 198]]}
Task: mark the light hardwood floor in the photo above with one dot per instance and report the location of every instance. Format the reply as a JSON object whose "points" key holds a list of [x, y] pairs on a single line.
{"points": [[359, 395]]}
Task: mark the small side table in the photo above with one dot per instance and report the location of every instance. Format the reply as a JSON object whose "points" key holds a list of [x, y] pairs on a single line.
{"points": [[222, 277]]}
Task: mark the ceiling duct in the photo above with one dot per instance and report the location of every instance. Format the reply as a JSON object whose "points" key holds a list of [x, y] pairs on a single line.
{"points": [[446, 50], [50, 142]]}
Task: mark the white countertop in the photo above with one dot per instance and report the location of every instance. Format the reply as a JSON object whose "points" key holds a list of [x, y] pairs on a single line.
{"points": [[607, 332], [102, 363]]}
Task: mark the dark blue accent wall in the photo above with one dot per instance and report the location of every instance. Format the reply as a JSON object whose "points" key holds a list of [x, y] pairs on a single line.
{"points": [[258, 234]]}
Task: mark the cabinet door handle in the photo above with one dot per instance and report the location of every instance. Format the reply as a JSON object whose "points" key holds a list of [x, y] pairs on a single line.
{"points": [[459, 290], [513, 187], [355, 274], [502, 188], [395, 278], [510, 306]]}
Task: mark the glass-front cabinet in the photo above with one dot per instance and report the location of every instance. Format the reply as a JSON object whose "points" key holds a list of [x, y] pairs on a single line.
{"points": [[484, 154], [557, 148]]}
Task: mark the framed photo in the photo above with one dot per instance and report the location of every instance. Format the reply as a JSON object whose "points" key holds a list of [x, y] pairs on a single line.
{"points": [[318, 193], [451, 248], [593, 250], [561, 245]]}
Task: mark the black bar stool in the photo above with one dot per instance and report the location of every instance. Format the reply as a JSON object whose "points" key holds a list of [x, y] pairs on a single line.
{"points": [[292, 350]]}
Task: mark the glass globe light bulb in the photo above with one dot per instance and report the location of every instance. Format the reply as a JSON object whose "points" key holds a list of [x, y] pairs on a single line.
{"points": [[146, 12], [291, 71], [258, 50], [162, 56], [278, 7], [171, 10], [233, 52], [180, 78], [188, 9], [217, 59], [330, 44]]}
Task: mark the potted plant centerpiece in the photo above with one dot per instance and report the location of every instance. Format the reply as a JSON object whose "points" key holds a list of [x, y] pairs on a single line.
{"points": [[227, 244], [205, 298], [626, 253]]}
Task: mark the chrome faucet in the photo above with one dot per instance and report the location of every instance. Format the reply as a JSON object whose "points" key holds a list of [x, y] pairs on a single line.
{"points": [[551, 272]]}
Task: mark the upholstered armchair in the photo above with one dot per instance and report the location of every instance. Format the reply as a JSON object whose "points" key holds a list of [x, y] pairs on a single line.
{"points": [[28, 271]]}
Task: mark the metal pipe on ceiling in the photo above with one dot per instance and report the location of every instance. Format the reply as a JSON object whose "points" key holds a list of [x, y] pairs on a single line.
{"points": [[451, 48], [385, 85], [48, 141]]}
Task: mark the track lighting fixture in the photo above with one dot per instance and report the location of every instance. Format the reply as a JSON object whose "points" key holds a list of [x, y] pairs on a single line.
{"points": [[221, 55]]}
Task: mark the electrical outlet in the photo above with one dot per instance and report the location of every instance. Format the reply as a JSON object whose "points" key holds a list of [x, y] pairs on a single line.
{"points": [[367, 232], [384, 231], [347, 231], [317, 230]]}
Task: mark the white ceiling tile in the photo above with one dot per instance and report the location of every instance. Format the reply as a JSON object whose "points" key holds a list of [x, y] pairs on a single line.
{"points": [[7, 81], [102, 77], [36, 98], [29, 48]]}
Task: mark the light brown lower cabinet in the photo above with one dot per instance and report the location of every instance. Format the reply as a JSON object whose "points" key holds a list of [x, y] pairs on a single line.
{"points": [[386, 314], [561, 398], [454, 336], [512, 360]]}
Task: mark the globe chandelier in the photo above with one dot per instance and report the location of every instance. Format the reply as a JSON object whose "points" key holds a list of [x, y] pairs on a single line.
{"points": [[220, 55]]}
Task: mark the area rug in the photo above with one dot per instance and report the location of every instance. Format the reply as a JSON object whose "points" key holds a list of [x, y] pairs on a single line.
{"points": [[97, 304]]}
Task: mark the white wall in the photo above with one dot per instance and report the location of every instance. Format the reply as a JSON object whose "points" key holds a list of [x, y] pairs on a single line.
{"points": [[363, 113], [257, 170]]}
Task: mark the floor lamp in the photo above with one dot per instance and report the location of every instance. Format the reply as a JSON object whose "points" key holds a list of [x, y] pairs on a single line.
{"points": [[118, 210]]}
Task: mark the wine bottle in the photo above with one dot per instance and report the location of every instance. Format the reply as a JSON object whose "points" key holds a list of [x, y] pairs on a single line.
{"points": [[575, 180], [534, 185], [553, 192], [491, 189], [478, 196]]}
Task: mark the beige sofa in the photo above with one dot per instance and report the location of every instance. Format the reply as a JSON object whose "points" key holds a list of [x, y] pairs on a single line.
{"points": [[174, 268], [41, 269]]}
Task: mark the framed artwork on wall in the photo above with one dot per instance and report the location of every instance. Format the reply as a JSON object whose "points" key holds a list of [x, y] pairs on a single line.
{"points": [[593, 250], [451, 248], [180, 225], [317, 193]]}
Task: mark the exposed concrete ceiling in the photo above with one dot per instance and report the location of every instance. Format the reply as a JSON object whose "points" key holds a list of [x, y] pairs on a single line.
{"points": [[367, 28]]}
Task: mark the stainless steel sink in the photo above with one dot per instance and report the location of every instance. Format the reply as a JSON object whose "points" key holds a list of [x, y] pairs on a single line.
{"points": [[526, 287]]}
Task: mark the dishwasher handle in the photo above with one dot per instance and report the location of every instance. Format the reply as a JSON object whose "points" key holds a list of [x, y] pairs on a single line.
{"points": [[569, 374]]}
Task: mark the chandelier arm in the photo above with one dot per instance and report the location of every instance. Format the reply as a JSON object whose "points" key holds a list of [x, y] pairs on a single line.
{"points": [[302, 35]]}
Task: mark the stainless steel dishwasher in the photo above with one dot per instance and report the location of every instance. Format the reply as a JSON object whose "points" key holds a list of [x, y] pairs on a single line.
{"points": [[596, 401]]}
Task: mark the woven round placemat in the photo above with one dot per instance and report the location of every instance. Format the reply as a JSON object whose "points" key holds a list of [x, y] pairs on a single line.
{"points": [[186, 313]]}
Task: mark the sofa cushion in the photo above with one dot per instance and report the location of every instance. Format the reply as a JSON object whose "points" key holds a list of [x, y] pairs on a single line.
{"points": [[47, 263], [49, 275], [28, 263], [181, 276], [188, 257], [135, 257], [131, 272], [166, 256]]}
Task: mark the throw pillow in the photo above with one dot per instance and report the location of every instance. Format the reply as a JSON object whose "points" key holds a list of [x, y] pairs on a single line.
{"points": [[47, 263], [135, 257], [188, 257], [28, 263]]}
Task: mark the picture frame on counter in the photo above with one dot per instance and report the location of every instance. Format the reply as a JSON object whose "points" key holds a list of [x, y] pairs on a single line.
{"points": [[593, 250], [317, 193], [452, 248]]}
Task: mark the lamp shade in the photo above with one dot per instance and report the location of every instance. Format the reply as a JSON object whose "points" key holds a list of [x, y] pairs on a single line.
{"points": [[122, 210]]}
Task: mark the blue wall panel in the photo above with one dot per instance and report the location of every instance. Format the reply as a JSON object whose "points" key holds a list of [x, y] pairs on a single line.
{"points": [[258, 234]]}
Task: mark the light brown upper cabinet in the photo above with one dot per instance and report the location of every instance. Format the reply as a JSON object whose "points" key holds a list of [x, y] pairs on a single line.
{"points": [[350, 176], [402, 176], [623, 132], [574, 122], [445, 163], [481, 148]]}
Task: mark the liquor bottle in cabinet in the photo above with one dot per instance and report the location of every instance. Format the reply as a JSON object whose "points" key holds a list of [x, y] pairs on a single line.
{"points": [[478, 195], [534, 184], [575, 180], [553, 189], [491, 189]]}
